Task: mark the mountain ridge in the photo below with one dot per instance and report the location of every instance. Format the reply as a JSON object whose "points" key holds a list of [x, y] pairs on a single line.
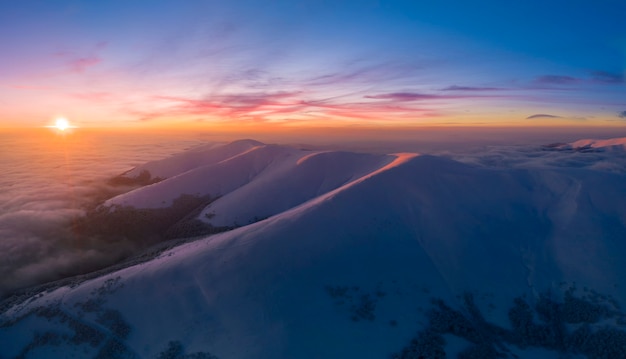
{"points": [[363, 262]]}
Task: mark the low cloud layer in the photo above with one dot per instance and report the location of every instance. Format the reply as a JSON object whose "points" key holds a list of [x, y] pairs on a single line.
{"points": [[548, 156], [38, 243], [49, 183]]}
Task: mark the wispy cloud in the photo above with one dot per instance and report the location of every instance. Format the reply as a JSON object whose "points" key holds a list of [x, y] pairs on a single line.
{"points": [[361, 73], [557, 80], [229, 106], [621, 114], [31, 87], [542, 115], [407, 96], [95, 96], [471, 88], [597, 77], [83, 63], [605, 77], [286, 106], [417, 96], [233, 104]]}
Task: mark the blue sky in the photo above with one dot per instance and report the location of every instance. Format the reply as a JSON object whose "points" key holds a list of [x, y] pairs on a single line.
{"points": [[317, 63]]}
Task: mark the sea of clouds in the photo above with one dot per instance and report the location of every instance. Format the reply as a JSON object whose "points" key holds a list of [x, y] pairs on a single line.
{"points": [[46, 184]]}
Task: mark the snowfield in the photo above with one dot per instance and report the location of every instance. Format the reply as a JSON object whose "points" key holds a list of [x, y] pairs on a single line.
{"points": [[353, 255]]}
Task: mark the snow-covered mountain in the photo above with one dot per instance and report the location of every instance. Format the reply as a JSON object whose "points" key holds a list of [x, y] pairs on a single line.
{"points": [[269, 179], [592, 145], [360, 256]]}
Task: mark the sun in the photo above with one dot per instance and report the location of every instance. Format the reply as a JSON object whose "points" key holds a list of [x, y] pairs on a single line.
{"points": [[61, 124]]}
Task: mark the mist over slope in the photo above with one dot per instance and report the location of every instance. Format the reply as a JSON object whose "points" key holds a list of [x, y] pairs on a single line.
{"points": [[361, 255]]}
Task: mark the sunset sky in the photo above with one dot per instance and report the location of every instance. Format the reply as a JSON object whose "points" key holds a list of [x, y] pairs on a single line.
{"points": [[156, 63]]}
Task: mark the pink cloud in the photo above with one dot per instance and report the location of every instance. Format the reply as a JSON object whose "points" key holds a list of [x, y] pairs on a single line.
{"points": [[94, 96], [81, 64], [232, 105], [261, 107], [31, 87]]}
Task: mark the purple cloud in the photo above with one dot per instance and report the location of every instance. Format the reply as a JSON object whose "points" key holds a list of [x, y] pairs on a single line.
{"points": [[407, 96], [361, 74], [542, 115], [471, 88], [557, 80], [414, 96], [601, 77], [607, 77], [235, 103]]}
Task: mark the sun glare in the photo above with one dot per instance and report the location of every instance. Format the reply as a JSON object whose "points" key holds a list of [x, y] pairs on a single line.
{"points": [[62, 124]]}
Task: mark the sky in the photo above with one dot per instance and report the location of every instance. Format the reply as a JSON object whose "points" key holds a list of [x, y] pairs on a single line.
{"points": [[312, 63]]}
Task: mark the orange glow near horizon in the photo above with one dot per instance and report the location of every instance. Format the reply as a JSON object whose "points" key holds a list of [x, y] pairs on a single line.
{"points": [[197, 116], [335, 129]]}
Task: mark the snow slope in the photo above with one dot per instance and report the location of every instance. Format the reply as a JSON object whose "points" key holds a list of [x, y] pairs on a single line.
{"points": [[353, 271], [269, 179], [193, 158]]}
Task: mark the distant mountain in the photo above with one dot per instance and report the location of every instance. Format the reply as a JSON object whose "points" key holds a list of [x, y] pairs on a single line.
{"points": [[354, 256], [591, 145]]}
